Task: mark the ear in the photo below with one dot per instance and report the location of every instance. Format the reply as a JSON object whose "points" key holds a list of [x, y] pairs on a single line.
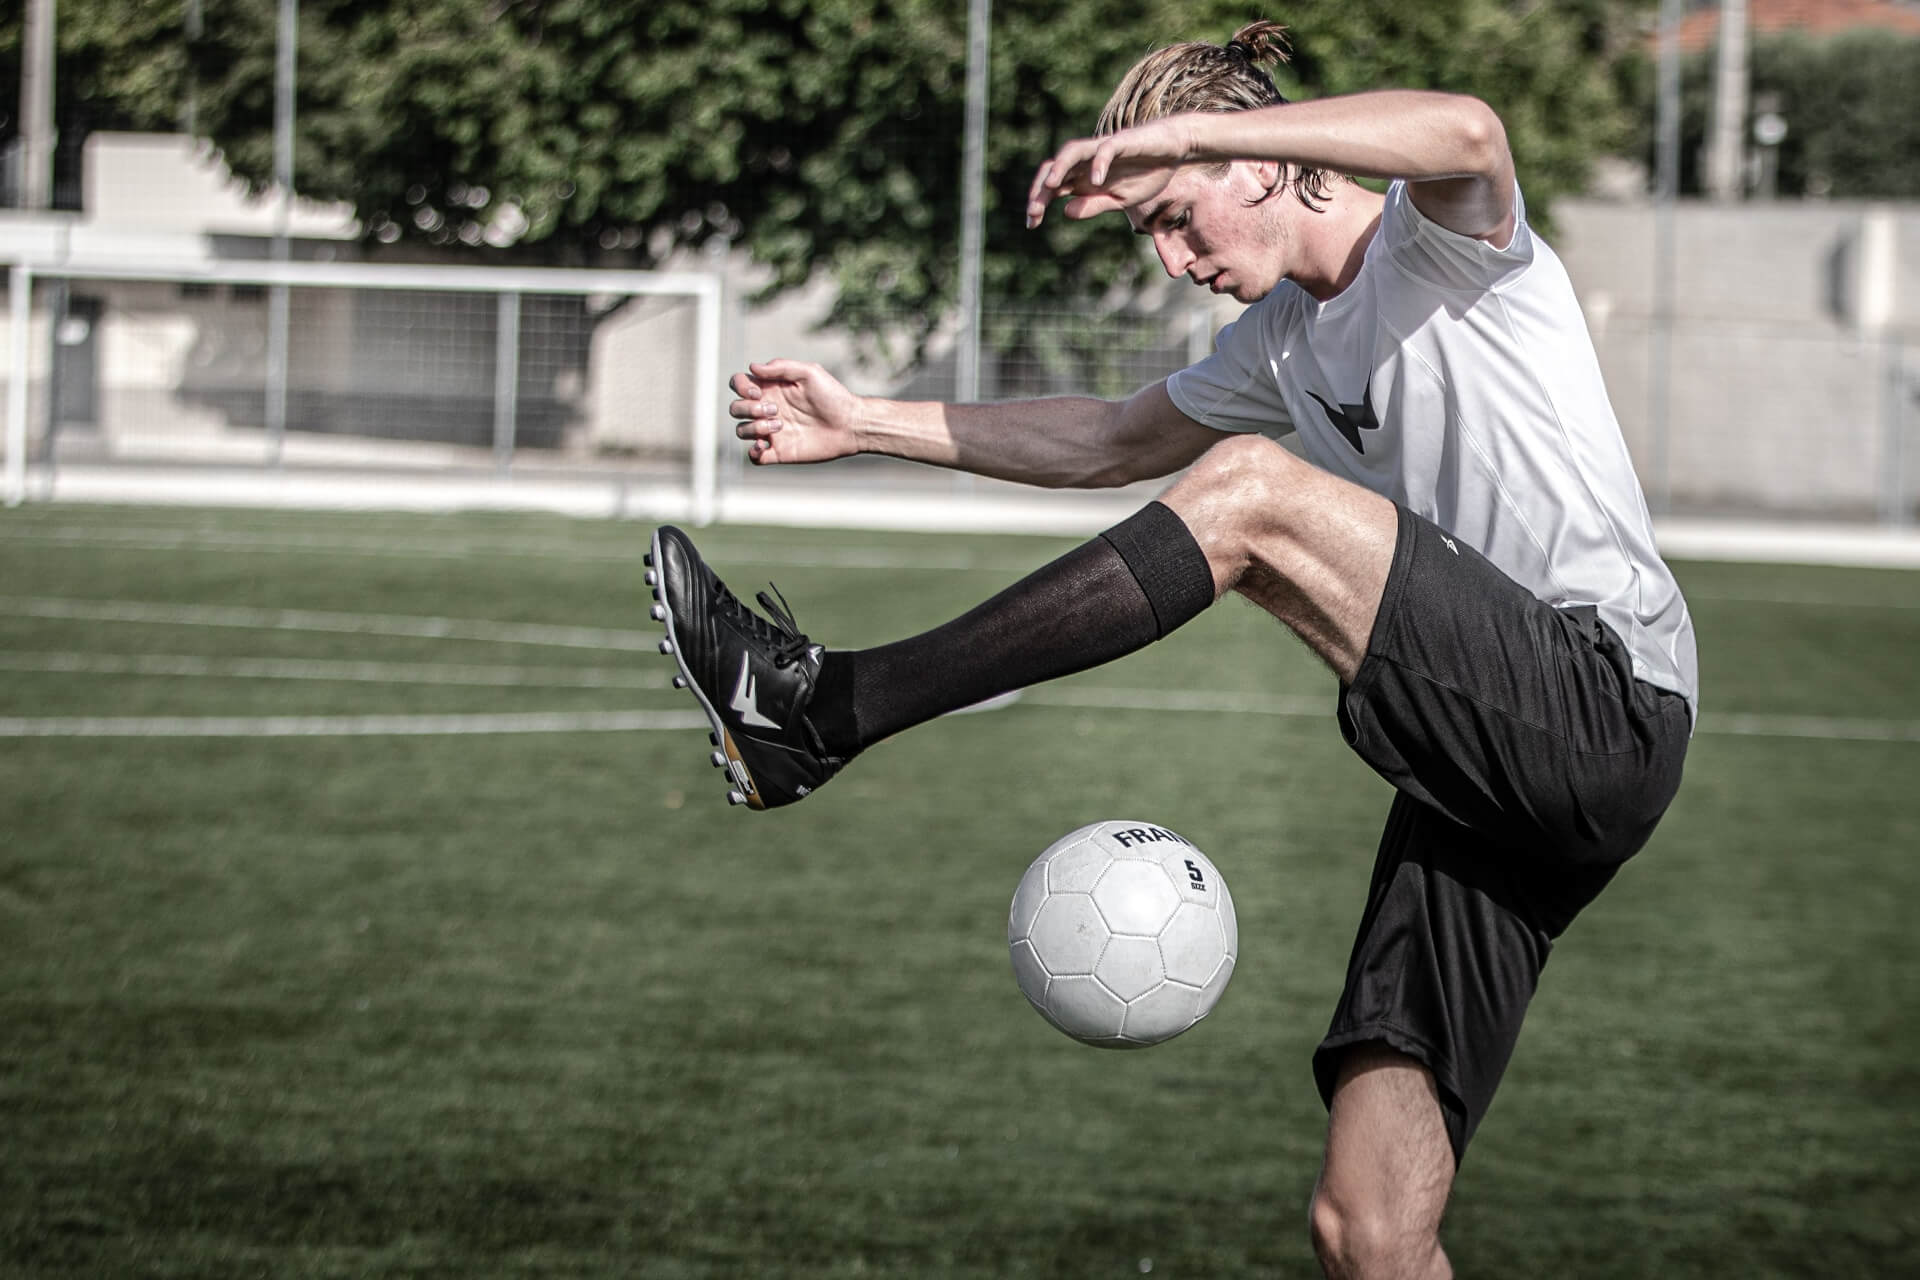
{"points": [[1270, 174]]}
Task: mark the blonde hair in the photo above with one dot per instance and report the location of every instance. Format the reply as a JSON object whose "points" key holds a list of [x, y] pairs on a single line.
{"points": [[1197, 76]]}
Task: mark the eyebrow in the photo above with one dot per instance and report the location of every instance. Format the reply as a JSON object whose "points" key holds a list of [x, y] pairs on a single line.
{"points": [[1153, 215]]}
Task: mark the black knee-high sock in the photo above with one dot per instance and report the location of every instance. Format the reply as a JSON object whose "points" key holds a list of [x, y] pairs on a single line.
{"points": [[1120, 592]]}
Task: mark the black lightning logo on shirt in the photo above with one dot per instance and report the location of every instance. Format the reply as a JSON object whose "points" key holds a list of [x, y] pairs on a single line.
{"points": [[1351, 419]]}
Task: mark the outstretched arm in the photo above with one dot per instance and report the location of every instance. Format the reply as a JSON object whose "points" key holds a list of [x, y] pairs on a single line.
{"points": [[1451, 149], [795, 412]]}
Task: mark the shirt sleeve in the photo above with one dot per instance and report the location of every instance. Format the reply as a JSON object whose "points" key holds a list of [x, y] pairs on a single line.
{"points": [[1235, 388], [1433, 255]]}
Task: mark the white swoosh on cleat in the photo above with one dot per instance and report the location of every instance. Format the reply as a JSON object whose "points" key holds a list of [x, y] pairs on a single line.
{"points": [[744, 702]]}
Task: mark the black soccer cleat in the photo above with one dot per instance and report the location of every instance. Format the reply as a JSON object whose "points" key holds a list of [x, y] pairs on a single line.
{"points": [[753, 677]]}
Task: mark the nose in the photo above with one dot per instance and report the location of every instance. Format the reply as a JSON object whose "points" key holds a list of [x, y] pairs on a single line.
{"points": [[1174, 255]]}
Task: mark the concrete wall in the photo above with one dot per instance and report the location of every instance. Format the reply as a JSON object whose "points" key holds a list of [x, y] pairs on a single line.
{"points": [[1794, 350], [1790, 324]]}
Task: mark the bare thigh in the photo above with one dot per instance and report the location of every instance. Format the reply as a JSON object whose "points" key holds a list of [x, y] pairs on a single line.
{"points": [[1308, 547]]}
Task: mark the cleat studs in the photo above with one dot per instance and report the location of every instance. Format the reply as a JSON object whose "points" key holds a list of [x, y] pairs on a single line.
{"points": [[652, 578], [734, 797], [719, 760], [659, 612], [679, 682], [666, 646], [647, 559], [714, 738]]}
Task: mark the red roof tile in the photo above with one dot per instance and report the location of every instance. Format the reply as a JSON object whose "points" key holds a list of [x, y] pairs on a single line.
{"points": [[1699, 29]]}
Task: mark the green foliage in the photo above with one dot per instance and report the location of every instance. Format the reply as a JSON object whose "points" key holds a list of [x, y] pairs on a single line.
{"points": [[1546, 68], [1851, 103], [824, 135]]}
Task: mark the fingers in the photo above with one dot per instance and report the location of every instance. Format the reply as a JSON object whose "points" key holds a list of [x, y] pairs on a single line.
{"points": [[1056, 175], [757, 391], [783, 370], [753, 383], [750, 408], [1080, 169]]}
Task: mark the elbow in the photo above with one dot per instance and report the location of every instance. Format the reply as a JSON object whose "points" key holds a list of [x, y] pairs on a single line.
{"points": [[1482, 138]]}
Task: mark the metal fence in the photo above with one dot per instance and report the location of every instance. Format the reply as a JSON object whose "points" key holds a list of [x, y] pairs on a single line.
{"points": [[1790, 337], [591, 390]]}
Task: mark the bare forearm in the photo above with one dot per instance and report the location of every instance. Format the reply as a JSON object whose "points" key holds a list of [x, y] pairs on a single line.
{"points": [[1391, 133], [1060, 442]]}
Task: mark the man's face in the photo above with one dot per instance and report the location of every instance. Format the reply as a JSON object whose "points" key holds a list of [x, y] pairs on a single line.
{"points": [[1217, 230]]}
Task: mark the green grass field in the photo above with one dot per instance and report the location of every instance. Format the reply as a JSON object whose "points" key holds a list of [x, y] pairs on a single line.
{"points": [[541, 1004]]}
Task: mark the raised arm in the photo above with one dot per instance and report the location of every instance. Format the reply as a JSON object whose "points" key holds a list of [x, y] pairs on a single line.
{"points": [[795, 412], [1451, 149]]}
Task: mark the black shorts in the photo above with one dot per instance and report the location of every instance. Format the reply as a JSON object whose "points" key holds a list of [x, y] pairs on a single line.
{"points": [[1530, 764]]}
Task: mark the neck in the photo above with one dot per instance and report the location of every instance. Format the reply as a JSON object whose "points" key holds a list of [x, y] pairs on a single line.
{"points": [[1338, 240]]}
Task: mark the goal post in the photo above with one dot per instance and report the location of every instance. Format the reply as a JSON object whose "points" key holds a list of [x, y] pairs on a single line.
{"points": [[459, 368]]}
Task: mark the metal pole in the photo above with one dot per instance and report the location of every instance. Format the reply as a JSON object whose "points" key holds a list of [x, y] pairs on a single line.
{"points": [[1727, 151], [973, 167], [1665, 259], [706, 404], [190, 117], [277, 298], [506, 379], [20, 319], [1893, 502], [36, 107]]}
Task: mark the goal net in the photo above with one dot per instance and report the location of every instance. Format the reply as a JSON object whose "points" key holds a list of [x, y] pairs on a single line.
{"points": [[375, 377]]}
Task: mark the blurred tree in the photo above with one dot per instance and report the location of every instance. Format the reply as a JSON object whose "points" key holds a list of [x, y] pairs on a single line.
{"points": [[823, 135], [1852, 106], [1851, 103]]}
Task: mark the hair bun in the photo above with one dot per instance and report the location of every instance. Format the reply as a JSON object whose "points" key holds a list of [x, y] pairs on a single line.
{"points": [[1262, 41]]}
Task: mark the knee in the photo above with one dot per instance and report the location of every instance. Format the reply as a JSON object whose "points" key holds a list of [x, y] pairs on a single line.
{"points": [[1240, 493], [1360, 1240], [1244, 467]]}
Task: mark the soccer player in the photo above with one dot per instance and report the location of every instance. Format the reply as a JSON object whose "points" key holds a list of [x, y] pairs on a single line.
{"points": [[1460, 537]]}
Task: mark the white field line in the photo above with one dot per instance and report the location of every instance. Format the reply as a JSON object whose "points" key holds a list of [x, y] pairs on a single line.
{"points": [[1850, 729], [436, 673], [1255, 704], [1159, 701], [346, 726], [193, 615], [720, 551], [1800, 600], [1729, 724]]}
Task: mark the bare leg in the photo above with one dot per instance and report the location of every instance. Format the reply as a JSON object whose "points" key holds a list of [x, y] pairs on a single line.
{"points": [[1308, 547], [1389, 1167]]}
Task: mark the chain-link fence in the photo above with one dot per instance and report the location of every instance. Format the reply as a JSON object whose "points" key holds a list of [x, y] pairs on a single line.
{"points": [[1775, 373]]}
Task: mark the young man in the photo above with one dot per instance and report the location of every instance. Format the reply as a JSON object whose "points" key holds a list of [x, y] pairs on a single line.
{"points": [[1464, 544]]}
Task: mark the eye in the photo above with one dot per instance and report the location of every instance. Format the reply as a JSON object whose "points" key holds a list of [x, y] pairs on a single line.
{"points": [[1177, 221]]}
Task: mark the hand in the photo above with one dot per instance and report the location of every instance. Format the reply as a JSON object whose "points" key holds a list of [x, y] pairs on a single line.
{"points": [[1103, 175], [793, 411]]}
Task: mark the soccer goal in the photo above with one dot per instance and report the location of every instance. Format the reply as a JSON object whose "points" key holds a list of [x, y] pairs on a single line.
{"points": [[270, 378]]}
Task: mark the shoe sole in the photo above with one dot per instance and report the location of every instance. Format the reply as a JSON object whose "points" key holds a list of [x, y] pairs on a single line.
{"points": [[744, 791]]}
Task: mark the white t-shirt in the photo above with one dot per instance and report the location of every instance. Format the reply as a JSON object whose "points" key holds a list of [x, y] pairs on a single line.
{"points": [[1459, 380]]}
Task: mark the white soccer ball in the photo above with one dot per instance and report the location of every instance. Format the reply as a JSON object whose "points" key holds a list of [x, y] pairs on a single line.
{"points": [[1123, 934]]}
